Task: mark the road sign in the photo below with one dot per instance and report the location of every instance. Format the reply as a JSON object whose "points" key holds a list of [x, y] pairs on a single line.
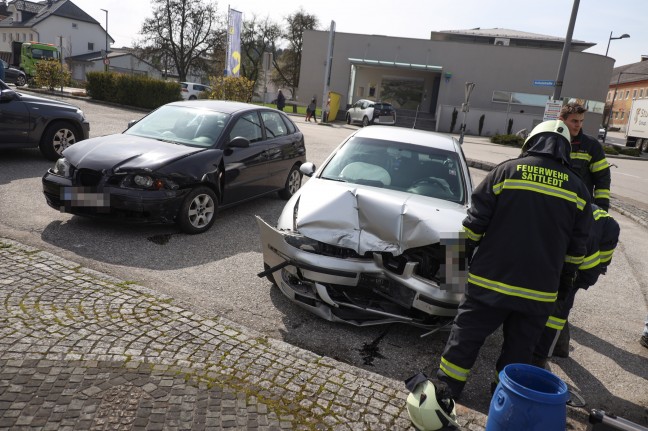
{"points": [[544, 83], [106, 61], [552, 110]]}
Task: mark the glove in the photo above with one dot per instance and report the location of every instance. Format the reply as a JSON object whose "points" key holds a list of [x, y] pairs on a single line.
{"points": [[567, 280]]}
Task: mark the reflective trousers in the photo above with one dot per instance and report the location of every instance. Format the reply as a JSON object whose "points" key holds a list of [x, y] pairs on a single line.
{"points": [[474, 322], [554, 326]]}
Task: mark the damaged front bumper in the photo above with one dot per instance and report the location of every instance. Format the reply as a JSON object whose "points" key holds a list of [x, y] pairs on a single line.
{"points": [[362, 290]]}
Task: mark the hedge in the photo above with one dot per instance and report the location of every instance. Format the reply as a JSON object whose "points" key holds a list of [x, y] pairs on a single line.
{"points": [[131, 90]]}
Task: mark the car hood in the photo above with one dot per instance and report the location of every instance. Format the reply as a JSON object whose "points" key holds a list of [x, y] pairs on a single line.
{"points": [[126, 152], [36, 100], [370, 219]]}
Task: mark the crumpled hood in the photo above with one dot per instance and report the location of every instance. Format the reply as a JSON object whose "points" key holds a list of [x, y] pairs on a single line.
{"points": [[125, 152], [368, 219]]}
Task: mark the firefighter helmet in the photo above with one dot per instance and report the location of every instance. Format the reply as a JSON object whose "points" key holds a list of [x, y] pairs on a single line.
{"points": [[551, 126], [428, 411]]}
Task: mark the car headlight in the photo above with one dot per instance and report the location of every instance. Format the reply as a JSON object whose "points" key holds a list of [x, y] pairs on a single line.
{"points": [[148, 182], [143, 181], [62, 167], [302, 242]]}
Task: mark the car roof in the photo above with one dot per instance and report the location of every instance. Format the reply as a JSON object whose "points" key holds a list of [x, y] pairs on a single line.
{"points": [[225, 106], [413, 136]]}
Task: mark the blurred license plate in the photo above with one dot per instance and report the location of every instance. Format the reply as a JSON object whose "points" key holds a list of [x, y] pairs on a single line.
{"points": [[385, 118], [84, 197]]}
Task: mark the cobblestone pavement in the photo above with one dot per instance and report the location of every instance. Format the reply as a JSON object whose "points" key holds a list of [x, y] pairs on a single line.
{"points": [[80, 350]]}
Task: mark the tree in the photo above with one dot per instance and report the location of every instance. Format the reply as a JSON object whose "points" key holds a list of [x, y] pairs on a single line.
{"points": [[288, 64], [182, 32], [257, 37]]}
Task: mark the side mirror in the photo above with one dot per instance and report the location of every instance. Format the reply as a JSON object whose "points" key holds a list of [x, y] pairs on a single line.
{"points": [[8, 95], [239, 142], [131, 123], [307, 169]]}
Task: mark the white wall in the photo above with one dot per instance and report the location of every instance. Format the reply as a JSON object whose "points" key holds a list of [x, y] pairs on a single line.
{"points": [[75, 40]]}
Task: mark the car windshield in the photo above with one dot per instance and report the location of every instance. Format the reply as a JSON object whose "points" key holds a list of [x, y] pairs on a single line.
{"points": [[398, 166], [184, 125]]}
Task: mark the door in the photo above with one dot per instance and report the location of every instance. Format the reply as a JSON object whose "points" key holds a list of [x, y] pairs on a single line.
{"points": [[14, 119], [246, 169], [283, 147]]}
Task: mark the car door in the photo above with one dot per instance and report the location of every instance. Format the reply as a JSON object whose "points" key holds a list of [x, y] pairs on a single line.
{"points": [[355, 111], [284, 145], [246, 169], [14, 118]]}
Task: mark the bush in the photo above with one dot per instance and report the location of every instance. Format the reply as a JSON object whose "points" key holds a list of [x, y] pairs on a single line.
{"points": [[132, 90], [51, 74], [510, 140], [610, 149], [634, 152], [237, 88]]}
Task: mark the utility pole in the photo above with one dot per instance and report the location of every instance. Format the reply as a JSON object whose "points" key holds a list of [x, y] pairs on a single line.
{"points": [[565, 53], [465, 107]]}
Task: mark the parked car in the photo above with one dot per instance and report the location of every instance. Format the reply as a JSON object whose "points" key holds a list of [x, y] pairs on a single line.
{"points": [[28, 121], [375, 236], [180, 163], [192, 90], [369, 112], [13, 75]]}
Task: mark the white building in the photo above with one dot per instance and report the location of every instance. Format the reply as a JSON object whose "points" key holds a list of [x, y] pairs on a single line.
{"points": [[513, 72], [80, 38]]}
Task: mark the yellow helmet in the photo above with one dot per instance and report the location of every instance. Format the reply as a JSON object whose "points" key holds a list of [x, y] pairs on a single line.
{"points": [[551, 126], [427, 412]]}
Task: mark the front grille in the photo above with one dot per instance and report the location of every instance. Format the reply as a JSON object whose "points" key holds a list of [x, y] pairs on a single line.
{"points": [[88, 178]]}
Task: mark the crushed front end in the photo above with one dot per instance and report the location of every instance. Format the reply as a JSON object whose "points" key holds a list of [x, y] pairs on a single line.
{"points": [[422, 286]]}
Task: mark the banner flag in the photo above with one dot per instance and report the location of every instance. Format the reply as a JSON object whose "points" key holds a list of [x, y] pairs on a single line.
{"points": [[234, 43]]}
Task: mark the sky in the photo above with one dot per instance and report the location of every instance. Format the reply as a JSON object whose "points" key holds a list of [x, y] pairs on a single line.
{"points": [[596, 19]]}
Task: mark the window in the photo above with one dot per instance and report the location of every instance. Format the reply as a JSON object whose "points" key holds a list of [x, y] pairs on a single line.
{"points": [[273, 123], [24, 37], [634, 93], [75, 25], [90, 46], [4, 37], [616, 115], [31, 37], [248, 126], [641, 93], [627, 94]]}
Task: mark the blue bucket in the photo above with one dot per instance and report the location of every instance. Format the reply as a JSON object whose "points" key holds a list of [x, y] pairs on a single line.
{"points": [[528, 398]]}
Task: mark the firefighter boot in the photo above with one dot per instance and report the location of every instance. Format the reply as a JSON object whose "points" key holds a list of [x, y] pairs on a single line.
{"points": [[561, 349]]}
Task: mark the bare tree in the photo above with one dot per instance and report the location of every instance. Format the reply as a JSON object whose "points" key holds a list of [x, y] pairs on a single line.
{"points": [[182, 33], [258, 36], [288, 64]]}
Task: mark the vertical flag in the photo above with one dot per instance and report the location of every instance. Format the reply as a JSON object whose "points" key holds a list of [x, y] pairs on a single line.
{"points": [[234, 43]]}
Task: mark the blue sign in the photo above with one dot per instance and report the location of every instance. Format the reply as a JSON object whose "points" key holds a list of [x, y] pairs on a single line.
{"points": [[544, 83]]}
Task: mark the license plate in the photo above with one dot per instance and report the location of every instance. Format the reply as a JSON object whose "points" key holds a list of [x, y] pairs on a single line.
{"points": [[384, 118], [84, 197]]}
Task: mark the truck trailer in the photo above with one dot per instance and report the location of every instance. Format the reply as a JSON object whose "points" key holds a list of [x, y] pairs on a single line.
{"points": [[637, 129]]}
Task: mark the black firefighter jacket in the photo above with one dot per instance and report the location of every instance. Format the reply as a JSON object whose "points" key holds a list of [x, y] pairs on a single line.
{"points": [[530, 218], [588, 160], [602, 241]]}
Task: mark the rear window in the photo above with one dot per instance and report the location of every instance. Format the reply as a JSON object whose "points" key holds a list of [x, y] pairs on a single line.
{"points": [[383, 106]]}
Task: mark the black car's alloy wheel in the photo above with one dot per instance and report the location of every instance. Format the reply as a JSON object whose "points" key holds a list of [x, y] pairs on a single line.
{"points": [[57, 137], [20, 81], [198, 210], [293, 183]]}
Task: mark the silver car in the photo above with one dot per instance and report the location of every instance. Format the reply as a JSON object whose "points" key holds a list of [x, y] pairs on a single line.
{"points": [[375, 235]]}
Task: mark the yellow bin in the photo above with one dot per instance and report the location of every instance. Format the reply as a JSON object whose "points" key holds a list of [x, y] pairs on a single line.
{"points": [[334, 105]]}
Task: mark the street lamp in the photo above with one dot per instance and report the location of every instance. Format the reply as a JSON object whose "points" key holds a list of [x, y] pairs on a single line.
{"points": [[623, 36], [106, 56]]}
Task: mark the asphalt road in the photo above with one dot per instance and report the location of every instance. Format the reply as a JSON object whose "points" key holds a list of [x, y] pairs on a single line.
{"points": [[215, 274]]}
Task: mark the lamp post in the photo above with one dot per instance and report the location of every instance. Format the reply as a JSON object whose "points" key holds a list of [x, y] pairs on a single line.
{"points": [[106, 57], [623, 36]]}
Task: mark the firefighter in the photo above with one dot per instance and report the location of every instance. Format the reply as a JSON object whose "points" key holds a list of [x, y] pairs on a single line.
{"points": [[528, 224], [601, 243], [588, 161]]}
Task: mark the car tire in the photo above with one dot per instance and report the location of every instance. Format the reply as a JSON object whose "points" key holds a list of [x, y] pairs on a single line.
{"points": [[365, 121], [20, 81], [348, 119], [192, 97], [293, 183], [198, 210], [57, 137]]}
